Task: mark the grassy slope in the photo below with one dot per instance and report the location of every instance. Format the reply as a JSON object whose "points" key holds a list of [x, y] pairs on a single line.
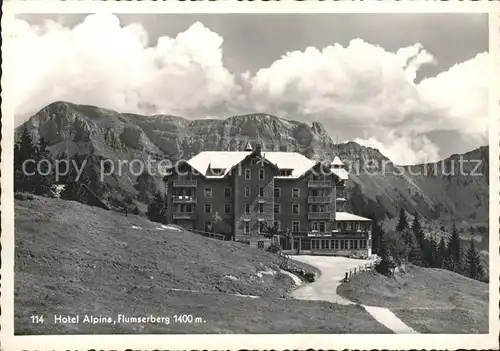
{"points": [[429, 300], [75, 259]]}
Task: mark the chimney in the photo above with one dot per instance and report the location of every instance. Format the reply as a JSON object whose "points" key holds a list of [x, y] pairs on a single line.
{"points": [[258, 148]]}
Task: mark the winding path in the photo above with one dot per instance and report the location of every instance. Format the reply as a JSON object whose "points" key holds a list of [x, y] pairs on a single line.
{"points": [[325, 288]]}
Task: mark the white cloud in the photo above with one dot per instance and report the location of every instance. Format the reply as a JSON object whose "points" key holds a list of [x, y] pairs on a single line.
{"points": [[360, 87], [103, 63]]}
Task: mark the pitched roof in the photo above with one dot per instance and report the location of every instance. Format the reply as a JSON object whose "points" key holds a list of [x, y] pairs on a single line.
{"points": [[297, 163], [346, 216], [217, 159], [337, 162]]}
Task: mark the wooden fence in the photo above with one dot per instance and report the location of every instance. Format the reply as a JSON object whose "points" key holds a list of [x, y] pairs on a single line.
{"points": [[361, 268], [208, 234]]}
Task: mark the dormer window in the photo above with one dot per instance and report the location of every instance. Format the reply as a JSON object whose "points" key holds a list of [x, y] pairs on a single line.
{"points": [[285, 172]]}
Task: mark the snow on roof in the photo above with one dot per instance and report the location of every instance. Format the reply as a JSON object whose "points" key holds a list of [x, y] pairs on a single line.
{"points": [[341, 173], [345, 216], [217, 159], [337, 162], [298, 163]]}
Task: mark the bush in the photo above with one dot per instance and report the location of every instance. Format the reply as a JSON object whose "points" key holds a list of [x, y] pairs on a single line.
{"points": [[274, 248], [23, 196]]}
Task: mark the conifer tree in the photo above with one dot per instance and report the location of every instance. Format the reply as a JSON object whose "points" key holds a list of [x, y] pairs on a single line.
{"points": [[24, 150], [454, 251], [418, 231], [474, 268], [402, 222], [43, 180], [414, 251], [442, 254], [430, 252], [157, 209]]}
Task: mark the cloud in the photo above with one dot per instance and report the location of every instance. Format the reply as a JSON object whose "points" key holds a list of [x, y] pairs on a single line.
{"points": [[366, 88], [102, 63], [360, 91]]}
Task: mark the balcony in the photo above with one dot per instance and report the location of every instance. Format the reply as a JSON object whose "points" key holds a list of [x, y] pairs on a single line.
{"points": [[184, 215], [318, 199], [181, 199], [185, 183], [316, 233], [319, 184], [320, 215]]}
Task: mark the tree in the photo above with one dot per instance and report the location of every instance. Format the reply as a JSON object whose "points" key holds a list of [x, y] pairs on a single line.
{"points": [[442, 254], [157, 209], [418, 231], [454, 251], [43, 181], [24, 150], [430, 254], [413, 247], [403, 221], [474, 268], [397, 246]]}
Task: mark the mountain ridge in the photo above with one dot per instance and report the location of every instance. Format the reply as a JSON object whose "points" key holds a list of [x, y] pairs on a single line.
{"points": [[85, 129]]}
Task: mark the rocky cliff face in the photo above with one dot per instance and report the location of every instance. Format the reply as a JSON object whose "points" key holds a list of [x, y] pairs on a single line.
{"points": [[376, 187]]}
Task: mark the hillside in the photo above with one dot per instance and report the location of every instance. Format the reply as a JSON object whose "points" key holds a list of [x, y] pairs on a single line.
{"points": [[118, 136], [75, 259], [428, 300]]}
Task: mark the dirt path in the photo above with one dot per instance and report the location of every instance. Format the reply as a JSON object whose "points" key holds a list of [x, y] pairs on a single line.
{"points": [[325, 288]]}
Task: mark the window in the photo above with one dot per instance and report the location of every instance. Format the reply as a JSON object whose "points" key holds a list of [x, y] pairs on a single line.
{"points": [[355, 244], [247, 192], [247, 208], [314, 244], [262, 227], [208, 226], [314, 192], [296, 192], [342, 244], [208, 208], [277, 208], [227, 192], [227, 208], [254, 161], [277, 224], [325, 244], [351, 244], [295, 226], [314, 208], [322, 208], [314, 226], [363, 244], [322, 227], [340, 207], [261, 174], [208, 193], [261, 191], [277, 193], [261, 208], [246, 227], [336, 244], [295, 208], [248, 174]]}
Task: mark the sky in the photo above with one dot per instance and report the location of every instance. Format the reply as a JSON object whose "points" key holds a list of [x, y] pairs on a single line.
{"points": [[414, 86]]}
